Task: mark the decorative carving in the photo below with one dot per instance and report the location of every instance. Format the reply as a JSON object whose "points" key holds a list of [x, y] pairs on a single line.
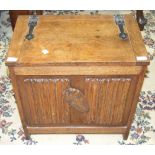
{"points": [[45, 96], [40, 80], [107, 79], [75, 98], [107, 96]]}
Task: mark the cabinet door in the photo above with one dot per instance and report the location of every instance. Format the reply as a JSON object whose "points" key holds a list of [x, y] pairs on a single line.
{"points": [[76, 100]]}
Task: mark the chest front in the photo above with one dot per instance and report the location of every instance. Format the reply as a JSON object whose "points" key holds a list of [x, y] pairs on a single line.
{"points": [[74, 74]]}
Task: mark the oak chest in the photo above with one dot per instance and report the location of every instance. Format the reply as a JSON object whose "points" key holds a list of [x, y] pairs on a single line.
{"points": [[77, 74]]}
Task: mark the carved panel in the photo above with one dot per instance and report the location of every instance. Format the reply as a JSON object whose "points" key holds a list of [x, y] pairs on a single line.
{"points": [[107, 98], [74, 100], [43, 100]]}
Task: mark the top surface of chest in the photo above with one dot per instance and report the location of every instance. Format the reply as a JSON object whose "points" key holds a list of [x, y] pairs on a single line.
{"points": [[76, 40]]}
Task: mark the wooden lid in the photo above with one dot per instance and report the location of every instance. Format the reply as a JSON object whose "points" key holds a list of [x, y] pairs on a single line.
{"points": [[76, 40]]}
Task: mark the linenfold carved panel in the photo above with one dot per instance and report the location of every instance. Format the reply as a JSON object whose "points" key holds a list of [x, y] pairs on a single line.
{"points": [[106, 98], [100, 100], [43, 100]]}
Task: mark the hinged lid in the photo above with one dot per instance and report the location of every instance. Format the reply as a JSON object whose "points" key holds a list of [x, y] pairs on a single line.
{"points": [[76, 40]]}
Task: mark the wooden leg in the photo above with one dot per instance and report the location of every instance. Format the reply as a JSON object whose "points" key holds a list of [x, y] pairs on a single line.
{"points": [[27, 137], [26, 133], [125, 135], [141, 20]]}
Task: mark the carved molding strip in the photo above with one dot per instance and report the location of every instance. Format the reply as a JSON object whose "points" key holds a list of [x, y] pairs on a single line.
{"points": [[41, 80], [107, 79]]}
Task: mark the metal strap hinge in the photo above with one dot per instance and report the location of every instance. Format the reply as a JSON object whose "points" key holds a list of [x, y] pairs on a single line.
{"points": [[33, 19], [119, 20]]}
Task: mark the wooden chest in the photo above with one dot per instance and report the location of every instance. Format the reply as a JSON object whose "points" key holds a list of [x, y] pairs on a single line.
{"points": [[76, 75]]}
